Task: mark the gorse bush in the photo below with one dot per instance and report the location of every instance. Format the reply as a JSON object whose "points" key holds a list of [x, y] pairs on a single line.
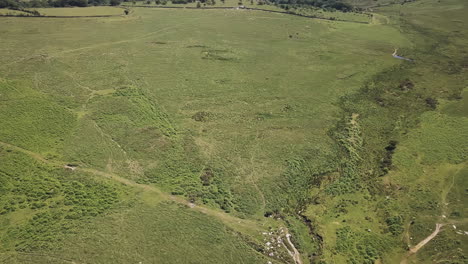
{"points": [[360, 247], [348, 135], [291, 191], [325, 4], [53, 198]]}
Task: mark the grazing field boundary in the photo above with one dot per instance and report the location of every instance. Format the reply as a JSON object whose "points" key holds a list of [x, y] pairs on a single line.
{"points": [[254, 9]]}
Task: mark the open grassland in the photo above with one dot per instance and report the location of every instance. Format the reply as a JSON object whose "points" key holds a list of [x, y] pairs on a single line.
{"points": [[173, 92], [80, 11], [240, 115], [161, 233]]}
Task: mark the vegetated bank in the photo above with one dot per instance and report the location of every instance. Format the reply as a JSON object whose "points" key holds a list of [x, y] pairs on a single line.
{"points": [[358, 213]]}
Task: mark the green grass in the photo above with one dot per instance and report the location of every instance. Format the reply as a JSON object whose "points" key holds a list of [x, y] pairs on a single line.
{"points": [[241, 111], [41, 203], [155, 233], [440, 139], [246, 112], [80, 11], [31, 120]]}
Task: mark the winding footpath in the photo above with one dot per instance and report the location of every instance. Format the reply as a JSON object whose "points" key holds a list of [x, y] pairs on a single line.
{"points": [[241, 225], [295, 253], [415, 249], [226, 218], [426, 240]]}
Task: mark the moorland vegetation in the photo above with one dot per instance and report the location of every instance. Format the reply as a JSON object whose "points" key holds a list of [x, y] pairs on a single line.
{"points": [[184, 135]]}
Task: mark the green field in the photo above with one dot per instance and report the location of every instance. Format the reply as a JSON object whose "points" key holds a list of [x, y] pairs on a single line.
{"points": [[203, 136], [80, 11]]}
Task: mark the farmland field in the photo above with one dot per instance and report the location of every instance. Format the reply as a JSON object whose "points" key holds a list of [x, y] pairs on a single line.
{"points": [[76, 11], [234, 136]]}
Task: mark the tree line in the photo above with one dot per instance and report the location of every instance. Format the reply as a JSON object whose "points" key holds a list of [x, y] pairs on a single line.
{"points": [[285, 4], [19, 5], [324, 4]]}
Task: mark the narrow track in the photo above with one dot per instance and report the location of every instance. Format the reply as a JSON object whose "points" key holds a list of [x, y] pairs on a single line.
{"points": [[426, 240], [241, 225], [226, 218], [421, 244], [295, 253]]}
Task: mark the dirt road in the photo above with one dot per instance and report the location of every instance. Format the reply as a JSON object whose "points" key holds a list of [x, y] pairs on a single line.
{"points": [[421, 244], [426, 240]]}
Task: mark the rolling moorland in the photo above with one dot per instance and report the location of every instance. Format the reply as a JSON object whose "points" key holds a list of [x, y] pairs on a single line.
{"points": [[192, 135]]}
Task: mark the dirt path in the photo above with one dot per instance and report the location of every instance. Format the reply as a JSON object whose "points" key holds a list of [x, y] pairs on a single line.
{"points": [[238, 224], [442, 219], [242, 225], [295, 254], [421, 244], [36, 156]]}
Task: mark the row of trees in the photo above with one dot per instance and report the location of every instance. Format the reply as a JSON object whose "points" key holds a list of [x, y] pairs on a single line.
{"points": [[325, 4], [15, 4], [182, 2]]}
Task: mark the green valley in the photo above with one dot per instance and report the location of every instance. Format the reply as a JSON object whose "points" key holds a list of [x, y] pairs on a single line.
{"points": [[231, 132]]}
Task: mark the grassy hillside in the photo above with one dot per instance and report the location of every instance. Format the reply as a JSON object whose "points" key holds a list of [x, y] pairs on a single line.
{"points": [[77, 11], [201, 136], [403, 151]]}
